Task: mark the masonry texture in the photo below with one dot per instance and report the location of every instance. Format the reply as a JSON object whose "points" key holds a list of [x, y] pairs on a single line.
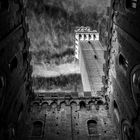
{"points": [[67, 118], [115, 115]]}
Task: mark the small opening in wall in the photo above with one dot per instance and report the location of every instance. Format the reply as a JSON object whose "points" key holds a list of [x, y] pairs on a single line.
{"points": [[85, 36], [25, 54], [80, 36], [94, 36], [123, 62], [13, 64], [89, 36]]}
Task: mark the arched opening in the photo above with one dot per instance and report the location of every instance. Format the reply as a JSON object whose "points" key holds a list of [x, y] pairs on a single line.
{"points": [[92, 127], [131, 4], [123, 62], [53, 105], [80, 36], [35, 106], [89, 36], [73, 105], [94, 36], [25, 56], [37, 128], [91, 105], [44, 105], [116, 111], [85, 36], [63, 104], [82, 105]]}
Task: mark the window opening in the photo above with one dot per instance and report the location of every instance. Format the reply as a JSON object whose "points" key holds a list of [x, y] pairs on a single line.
{"points": [[37, 128], [131, 4], [13, 64]]}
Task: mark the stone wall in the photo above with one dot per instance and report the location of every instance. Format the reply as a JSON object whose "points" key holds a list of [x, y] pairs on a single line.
{"points": [[15, 69]]}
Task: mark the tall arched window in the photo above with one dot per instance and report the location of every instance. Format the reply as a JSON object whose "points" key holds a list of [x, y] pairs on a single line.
{"points": [[82, 105], [92, 127], [37, 128], [13, 63]]}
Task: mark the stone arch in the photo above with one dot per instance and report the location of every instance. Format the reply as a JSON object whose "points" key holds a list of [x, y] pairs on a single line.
{"points": [[91, 103], [35, 104], [73, 103], [62, 104], [44, 105], [53, 105]]}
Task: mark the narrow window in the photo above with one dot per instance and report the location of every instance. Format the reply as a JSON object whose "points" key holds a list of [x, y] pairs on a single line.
{"points": [[89, 36], [25, 55], [123, 62], [37, 128], [85, 36], [13, 64], [2, 85], [1, 82], [80, 36], [82, 105]]}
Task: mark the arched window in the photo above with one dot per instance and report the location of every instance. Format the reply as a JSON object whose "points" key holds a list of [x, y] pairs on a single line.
{"points": [[92, 127], [80, 36], [90, 36], [13, 63], [53, 105], [131, 4], [63, 104], [37, 128], [44, 105], [73, 105], [82, 104]]}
